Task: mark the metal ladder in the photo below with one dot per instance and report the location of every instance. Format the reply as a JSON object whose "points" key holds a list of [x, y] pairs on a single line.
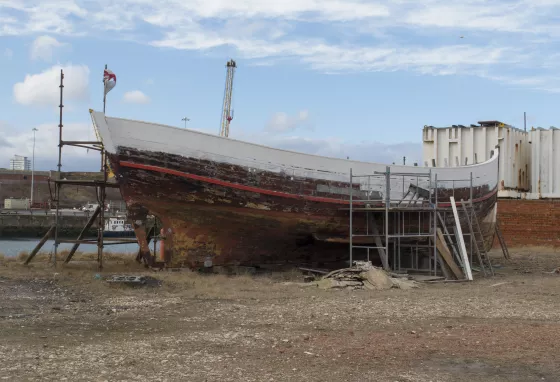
{"points": [[477, 237], [502, 241]]}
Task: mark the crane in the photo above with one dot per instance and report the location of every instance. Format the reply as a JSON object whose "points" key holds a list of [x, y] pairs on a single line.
{"points": [[227, 112]]}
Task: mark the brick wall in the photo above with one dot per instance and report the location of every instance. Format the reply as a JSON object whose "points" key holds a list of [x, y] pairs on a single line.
{"points": [[530, 222]]}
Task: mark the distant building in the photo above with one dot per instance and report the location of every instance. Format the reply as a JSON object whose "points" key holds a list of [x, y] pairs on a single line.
{"points": [[20, 163]]}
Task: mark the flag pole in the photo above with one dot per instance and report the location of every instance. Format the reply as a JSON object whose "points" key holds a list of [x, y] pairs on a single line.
{"points": [[104, 92]]}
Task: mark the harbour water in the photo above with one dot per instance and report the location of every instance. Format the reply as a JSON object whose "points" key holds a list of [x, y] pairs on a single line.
{"points": [[12, 247]]}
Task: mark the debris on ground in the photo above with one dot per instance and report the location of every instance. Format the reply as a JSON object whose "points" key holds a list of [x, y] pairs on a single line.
{"points": [[134, 280], [364, 276], [313, 271]]}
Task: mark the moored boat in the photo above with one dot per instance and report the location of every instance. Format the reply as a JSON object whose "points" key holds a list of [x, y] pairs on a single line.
{"points": [[118, 227], [226, 201]]}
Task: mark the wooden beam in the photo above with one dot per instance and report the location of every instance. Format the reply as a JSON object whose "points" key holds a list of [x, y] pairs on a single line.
{"points": [[461, 240], [151, 234], [379, 245], [82, 233], [40, 244]]}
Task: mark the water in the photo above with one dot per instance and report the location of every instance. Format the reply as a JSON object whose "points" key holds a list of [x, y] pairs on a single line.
{"points": [[12, 247]]}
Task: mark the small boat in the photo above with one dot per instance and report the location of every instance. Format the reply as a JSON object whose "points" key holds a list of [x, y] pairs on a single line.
{"points": [[118, 227]]}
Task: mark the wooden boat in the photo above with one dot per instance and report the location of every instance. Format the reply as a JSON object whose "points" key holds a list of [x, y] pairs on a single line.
{"points": [[225, 201]]}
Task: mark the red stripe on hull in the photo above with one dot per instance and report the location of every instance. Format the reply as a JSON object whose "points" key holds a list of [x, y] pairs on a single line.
{"points": [[262, 190], [232, 185]]}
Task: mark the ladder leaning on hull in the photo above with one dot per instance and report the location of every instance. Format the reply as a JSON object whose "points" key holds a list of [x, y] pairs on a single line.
{"points": [[478, 238]]}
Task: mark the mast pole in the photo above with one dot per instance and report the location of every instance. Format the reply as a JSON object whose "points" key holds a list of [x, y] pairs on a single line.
{"points": [[104, 92]]}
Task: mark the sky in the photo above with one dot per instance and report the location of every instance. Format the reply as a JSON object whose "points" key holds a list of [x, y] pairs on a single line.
{"points": [[343, 78]]}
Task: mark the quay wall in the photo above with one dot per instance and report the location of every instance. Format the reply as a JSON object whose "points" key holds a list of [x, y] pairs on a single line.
{"points": [[38, 224]]}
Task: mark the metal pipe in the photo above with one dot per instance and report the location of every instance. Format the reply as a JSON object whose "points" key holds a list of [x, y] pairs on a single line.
{"points": [[33, 169]]}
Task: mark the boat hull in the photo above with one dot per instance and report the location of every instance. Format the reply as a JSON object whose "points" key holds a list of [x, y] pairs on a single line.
{"points": [[118, 234], [227, 202], [235, 223]]}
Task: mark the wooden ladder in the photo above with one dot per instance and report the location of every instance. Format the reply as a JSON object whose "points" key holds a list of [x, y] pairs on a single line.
{"points": [[477, 237], [502, 241]]}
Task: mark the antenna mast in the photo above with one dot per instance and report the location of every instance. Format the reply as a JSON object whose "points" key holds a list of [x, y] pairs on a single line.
{"points": [[227, 112]]}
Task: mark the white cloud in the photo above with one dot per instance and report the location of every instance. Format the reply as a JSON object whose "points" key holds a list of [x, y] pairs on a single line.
{"points": [[8, 53], [43, 48], [333, 36], [136, 96], [43, 89], [20, 141], [365, 150], [282, 122]]}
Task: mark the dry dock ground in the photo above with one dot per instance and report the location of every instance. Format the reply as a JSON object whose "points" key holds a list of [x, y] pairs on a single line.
{"points": [[65, 324]]}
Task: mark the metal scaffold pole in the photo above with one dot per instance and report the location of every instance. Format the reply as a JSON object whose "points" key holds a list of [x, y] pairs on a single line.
{"points": [[351, 232], [59, 166], [387, 206], [434, 220], [100, 187]]}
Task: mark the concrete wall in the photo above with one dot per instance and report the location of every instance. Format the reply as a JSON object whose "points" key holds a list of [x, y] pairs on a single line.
{"points": [[38, 224], [530, 222]]}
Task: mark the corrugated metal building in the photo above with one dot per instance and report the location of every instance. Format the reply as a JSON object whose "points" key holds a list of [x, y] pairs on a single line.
{"points": [[545, 163], [459, 145]]}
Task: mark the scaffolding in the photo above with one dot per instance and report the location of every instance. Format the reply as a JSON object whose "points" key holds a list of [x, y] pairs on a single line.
{"points": [[99, 214], [398, 216]]}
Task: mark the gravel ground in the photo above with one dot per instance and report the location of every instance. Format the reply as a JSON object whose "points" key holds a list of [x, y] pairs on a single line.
{"points": [[67, 325]]}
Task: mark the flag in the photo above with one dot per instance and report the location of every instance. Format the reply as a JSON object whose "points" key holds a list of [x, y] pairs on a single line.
{"points": [[109, 80]]}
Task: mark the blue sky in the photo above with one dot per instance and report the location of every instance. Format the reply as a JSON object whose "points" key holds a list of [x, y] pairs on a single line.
{"points": [[340, 78]]}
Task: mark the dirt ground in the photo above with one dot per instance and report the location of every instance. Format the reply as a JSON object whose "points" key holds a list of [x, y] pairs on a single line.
{"points": [[67, 324]]}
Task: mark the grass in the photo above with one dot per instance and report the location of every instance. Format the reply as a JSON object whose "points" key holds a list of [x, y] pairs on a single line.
{"points": [[118, 258], [82, 269]]}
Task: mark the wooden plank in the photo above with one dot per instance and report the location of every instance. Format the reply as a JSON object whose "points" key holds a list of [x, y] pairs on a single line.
{"points": [[82, 234], [379, 245], [461, 240], [446, 255], [444, 268], [151, 234], [40, 245]]}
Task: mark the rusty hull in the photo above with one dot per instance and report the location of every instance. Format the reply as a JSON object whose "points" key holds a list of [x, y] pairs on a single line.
{"points": [[204, 221]]}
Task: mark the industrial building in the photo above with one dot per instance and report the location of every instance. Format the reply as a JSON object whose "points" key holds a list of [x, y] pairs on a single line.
{"points": [[528, 159], [20, 163]]}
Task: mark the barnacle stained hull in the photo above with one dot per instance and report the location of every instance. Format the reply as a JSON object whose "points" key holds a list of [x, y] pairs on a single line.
{"points": [[238, 203]]}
